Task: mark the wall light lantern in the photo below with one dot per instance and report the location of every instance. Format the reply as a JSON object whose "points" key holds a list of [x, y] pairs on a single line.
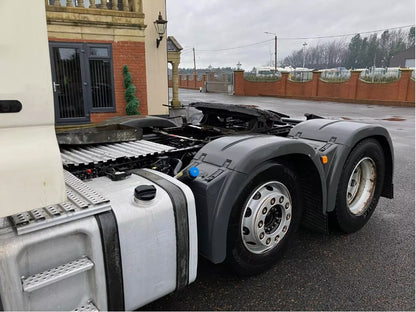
{"points": [[160, 25]]}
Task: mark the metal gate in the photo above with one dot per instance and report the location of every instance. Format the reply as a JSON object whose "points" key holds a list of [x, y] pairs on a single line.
{"points": [[220, 83]]}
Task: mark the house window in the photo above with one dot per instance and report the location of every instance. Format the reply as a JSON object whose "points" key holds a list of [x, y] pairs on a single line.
{"points": [[101, 77]]}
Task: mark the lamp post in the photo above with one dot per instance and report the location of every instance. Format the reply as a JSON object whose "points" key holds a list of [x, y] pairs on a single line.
{"points": [[275, 50], [304, 46], [160, 25]]}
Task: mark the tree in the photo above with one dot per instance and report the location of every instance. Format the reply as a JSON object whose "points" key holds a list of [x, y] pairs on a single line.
{"points": [[130, 94], [372, 50], [353, 54], [360, 52], [411, 37]]}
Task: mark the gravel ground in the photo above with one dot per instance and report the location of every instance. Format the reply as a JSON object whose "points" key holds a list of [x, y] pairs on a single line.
{"points": [[373, 269]]}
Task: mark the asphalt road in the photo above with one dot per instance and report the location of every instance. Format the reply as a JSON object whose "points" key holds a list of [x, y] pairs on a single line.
{"points": [[373, 269]]}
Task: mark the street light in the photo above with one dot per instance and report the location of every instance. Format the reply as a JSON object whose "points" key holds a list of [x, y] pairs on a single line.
{"points": [[160, 25], [304, 46], [275, 50], [303, 66]]}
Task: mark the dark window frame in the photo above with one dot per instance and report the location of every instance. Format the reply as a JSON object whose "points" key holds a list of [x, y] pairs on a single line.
{"points": [[88, 47]]}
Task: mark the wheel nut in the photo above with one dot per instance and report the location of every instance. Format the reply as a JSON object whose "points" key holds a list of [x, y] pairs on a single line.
{"points": [[268, 241], [287, 206], [264, 210], [288, 216], [260, 224], [284, 229], [276, 238], [281, 199], [261, 235], [272, 201]]}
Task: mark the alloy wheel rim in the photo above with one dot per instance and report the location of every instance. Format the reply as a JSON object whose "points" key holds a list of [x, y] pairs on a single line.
{"points": [[266, 217], [361, 186]]}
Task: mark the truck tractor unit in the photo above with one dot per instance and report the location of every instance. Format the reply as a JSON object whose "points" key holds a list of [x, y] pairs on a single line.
{"points": [[114, 216]]}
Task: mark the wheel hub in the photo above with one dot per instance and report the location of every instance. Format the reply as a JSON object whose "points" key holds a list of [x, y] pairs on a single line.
{"points": [[361, 186], [266, 217]]}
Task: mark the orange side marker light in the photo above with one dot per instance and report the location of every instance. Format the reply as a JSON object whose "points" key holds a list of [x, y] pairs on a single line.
{"points": [[324, 159]]}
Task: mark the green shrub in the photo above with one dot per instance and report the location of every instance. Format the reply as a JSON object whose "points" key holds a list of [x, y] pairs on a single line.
{"points": [[133, 103]]}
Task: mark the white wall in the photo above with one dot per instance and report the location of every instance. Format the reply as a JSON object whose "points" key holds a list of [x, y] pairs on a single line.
{"points": [[156, 59]]}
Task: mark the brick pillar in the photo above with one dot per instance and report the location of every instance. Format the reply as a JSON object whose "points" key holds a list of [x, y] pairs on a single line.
{"points": [[355, 76], [239, 82], [404, 81], [315, 83], [411, 91], [195, 76], [285, 77], [204, 80], [187, 81]]}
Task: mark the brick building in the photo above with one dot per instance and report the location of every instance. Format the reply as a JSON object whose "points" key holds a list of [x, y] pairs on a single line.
{"points": [[90, 42]]}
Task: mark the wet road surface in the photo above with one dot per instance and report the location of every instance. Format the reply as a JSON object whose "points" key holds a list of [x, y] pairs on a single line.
{"points": [[373, 269]]}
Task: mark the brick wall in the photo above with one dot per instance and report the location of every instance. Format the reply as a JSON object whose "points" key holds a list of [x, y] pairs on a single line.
{"points": [[127, 53], [401, 92], [189, 82]]}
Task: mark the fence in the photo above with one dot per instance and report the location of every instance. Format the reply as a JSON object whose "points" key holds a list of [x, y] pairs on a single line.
{"points": [[398, 92], [300, 76], [190, 81], [341, 75], [209, 82], [219, 82], [380, 75], [262, 78]]}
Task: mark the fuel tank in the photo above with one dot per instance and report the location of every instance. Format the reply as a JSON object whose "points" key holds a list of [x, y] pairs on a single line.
{"points": [[114, 245]]}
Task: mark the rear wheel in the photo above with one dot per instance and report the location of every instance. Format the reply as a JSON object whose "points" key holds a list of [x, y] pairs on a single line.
{"points": [[360, 186], [264, 220]]}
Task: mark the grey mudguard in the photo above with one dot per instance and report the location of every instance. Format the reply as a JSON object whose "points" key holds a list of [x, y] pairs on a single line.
{"points": [[345, 135], [226, 166]]}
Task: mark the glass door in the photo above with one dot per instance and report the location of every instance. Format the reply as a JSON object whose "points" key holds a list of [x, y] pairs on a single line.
{"points": [[69, 83]]}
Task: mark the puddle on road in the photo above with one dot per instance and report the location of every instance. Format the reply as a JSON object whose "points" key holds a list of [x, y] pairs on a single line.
{"points": [[394, 118]]}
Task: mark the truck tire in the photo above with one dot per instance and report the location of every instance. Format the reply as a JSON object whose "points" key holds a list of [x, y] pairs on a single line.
{"points": [[263, 220], [360, 186]]}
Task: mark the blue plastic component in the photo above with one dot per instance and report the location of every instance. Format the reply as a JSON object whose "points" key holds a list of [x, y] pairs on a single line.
{"points": [[193, 172]]}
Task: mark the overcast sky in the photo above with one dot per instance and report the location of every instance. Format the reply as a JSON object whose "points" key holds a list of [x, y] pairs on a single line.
{"points": [[211, 25]]}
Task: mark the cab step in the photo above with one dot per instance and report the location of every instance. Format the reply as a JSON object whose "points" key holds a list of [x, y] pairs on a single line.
{"points": [[56, 274]]}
